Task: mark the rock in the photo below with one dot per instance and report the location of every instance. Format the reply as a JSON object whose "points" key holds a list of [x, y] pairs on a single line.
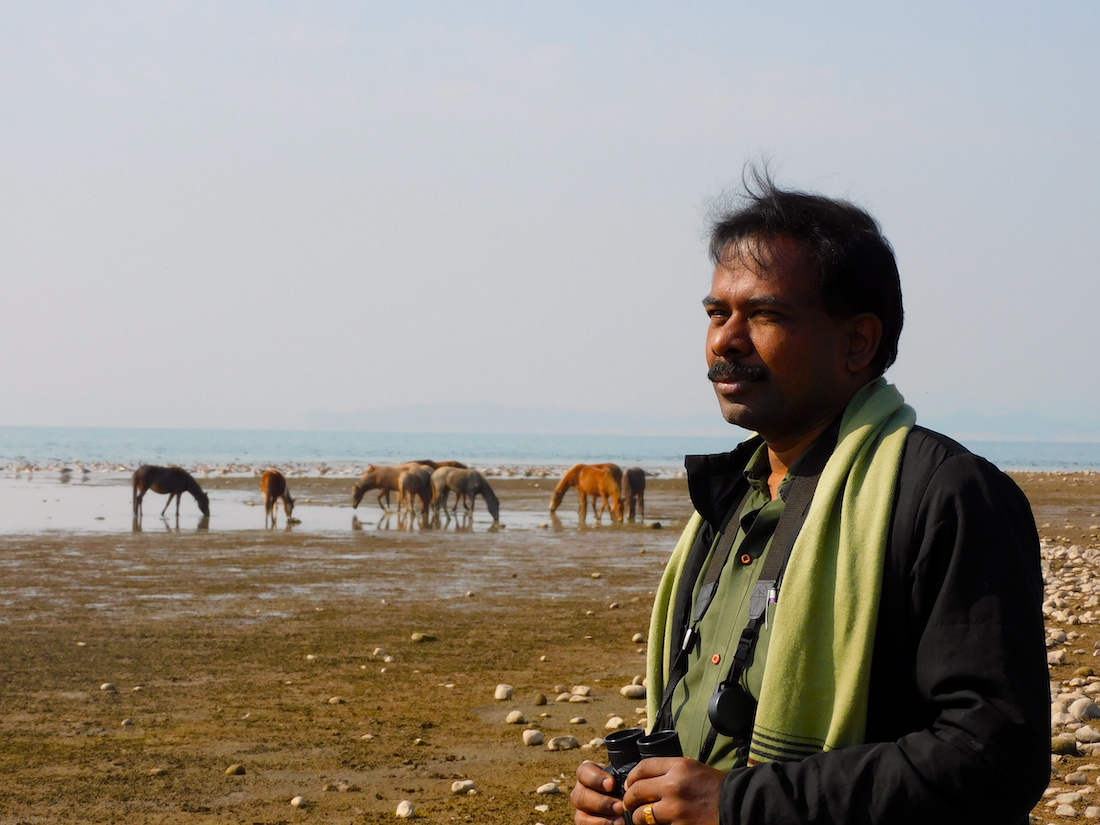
{"points": [[504, 693], [548, 788], [579, 700], [405, 809], [516, 717], [1065, 810], [157, 772], [638, 639], [567, 743], [1087, 734], [563, 697], [578, 720], [108, 687], [532, 737], [337, 700], [1056, 657], [463, 786], [1064, 743], [1076, 778], [614, 723], [423, 637], [540, 699], [234, 770], [581, 690], [1084, 709], [633, 691], [127, 723], [298, 802]]}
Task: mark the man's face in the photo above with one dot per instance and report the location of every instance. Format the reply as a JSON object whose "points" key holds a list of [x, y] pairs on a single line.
{"points": [[777, 359]]}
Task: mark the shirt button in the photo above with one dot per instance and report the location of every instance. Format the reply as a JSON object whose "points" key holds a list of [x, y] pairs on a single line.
{"points": [[716, 658], [746, 559]]}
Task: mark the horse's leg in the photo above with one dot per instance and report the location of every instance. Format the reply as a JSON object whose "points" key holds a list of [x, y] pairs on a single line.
{"points": [[641, 506], [583, 506], [167, 503]]}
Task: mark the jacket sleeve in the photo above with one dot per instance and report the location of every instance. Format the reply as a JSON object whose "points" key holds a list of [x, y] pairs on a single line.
{"points": [[959, 716]]}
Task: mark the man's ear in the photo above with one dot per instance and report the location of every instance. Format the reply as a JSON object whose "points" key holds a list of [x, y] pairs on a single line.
{"points": [[864, 338]]}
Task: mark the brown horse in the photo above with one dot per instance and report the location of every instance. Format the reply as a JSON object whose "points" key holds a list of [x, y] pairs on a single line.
{"points": [[414, 483], [435, 465], [601, 481], [171, 480], [466, 484], [273, 484], [634, 490], [381, 478]]}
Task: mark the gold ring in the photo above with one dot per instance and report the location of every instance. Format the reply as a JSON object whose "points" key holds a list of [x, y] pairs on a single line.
{"points": [[647, 815]]}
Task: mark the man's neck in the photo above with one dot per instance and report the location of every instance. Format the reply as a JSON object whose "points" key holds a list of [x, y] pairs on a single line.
{"points": [[782, 456]]}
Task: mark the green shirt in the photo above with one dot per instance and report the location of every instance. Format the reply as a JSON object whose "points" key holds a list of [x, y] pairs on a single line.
{"points": [[721, 626]]}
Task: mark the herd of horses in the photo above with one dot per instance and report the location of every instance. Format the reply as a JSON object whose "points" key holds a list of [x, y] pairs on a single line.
{"points": [[422, 487]]}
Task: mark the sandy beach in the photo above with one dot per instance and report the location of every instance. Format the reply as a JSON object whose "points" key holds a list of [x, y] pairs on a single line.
{"points": [[346, 662]]}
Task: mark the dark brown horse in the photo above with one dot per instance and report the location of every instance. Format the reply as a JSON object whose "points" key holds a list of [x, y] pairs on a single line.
{"points": [[467, 485], [601, 481], [274, 486], [634, 491], [174, 481]]}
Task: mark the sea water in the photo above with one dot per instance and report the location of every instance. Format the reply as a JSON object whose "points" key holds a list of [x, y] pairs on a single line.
{"points": [[128, 448]]}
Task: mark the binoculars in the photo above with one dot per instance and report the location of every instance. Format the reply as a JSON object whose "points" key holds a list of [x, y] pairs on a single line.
{"points": [[626, 748]]}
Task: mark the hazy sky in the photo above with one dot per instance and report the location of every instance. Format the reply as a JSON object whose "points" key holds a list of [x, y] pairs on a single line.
{"points": [[244, 214]]}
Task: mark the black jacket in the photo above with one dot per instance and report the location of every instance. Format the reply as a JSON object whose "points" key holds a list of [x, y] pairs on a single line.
{"points": [[958, 727]]}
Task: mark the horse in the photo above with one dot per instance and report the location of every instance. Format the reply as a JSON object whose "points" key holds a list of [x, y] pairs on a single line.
{"points": [[467, 484], [174, 481], [634, 490], [381, 478], [273, 484], [413, 483], [601, 481], [435, 465]]}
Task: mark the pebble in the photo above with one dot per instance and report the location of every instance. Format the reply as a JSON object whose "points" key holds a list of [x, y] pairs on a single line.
{"points": [[563, 743], [532, 737], [578, 720], [638, 638], [463, 786], [405, 809], [516, 717], [548, 788], [614, 723], [235, 770], [337, 700], [298, 802], [633, 691], [504, 693], [108, 687], [423, 637]]}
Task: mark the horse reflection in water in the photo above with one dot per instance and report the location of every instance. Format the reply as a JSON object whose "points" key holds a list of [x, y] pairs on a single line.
{"points": [[173, 481], [603, 482]]}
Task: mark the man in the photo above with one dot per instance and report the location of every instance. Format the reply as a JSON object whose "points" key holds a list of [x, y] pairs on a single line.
{"points": [[850, 628]]}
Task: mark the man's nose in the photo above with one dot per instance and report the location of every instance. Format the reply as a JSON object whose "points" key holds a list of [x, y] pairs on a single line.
{"points": [[730, 338]]}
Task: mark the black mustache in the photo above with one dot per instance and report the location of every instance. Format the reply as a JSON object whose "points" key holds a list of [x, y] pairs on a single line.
{"points": [[731, 370]]}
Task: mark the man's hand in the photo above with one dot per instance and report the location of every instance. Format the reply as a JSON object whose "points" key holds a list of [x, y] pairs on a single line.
{"points": [[591, 798], [681, 792]]}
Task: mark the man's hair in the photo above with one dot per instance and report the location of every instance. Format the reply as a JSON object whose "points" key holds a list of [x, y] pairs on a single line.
{"points": [[855, 264]]}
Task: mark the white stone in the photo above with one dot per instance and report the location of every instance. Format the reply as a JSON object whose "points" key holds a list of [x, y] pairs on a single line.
{"points": [[463, 786], [581, 690], [562, 743], [532, 737], [516, 717], [1065, 810], [548, 788], [632, 691], [614, 723], [405, 809], [504, 693], [1087, 734], [638, 639], [298, 802]]}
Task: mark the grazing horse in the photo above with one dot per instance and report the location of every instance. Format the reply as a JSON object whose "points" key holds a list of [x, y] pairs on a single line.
{"points": [[601, 481], [634, 490], [414, 483], [381, 478], [435, 465], [466, 484], [171, 480], [273, 484]]}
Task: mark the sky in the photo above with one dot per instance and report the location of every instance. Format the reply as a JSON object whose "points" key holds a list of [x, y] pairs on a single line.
{"points": [[492, 215]]}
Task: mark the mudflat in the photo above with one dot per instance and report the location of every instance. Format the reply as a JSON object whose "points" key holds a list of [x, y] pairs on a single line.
{"points": [[352, 668]]}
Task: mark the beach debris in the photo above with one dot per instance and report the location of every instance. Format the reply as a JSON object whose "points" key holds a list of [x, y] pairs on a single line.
{"points": [[516, 717], [405, 809], [235, 770], [466, 786], [504, 692], [532, 737]]}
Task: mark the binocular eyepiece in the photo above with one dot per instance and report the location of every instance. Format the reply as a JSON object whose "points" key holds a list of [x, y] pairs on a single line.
{"points": [[626, 748]]}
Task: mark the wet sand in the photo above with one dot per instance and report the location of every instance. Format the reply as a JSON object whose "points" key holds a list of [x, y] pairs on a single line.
{"points": [[228, 644]]}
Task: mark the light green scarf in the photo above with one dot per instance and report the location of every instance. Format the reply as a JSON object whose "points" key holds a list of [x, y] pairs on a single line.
{"points": [[814, 692]]}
